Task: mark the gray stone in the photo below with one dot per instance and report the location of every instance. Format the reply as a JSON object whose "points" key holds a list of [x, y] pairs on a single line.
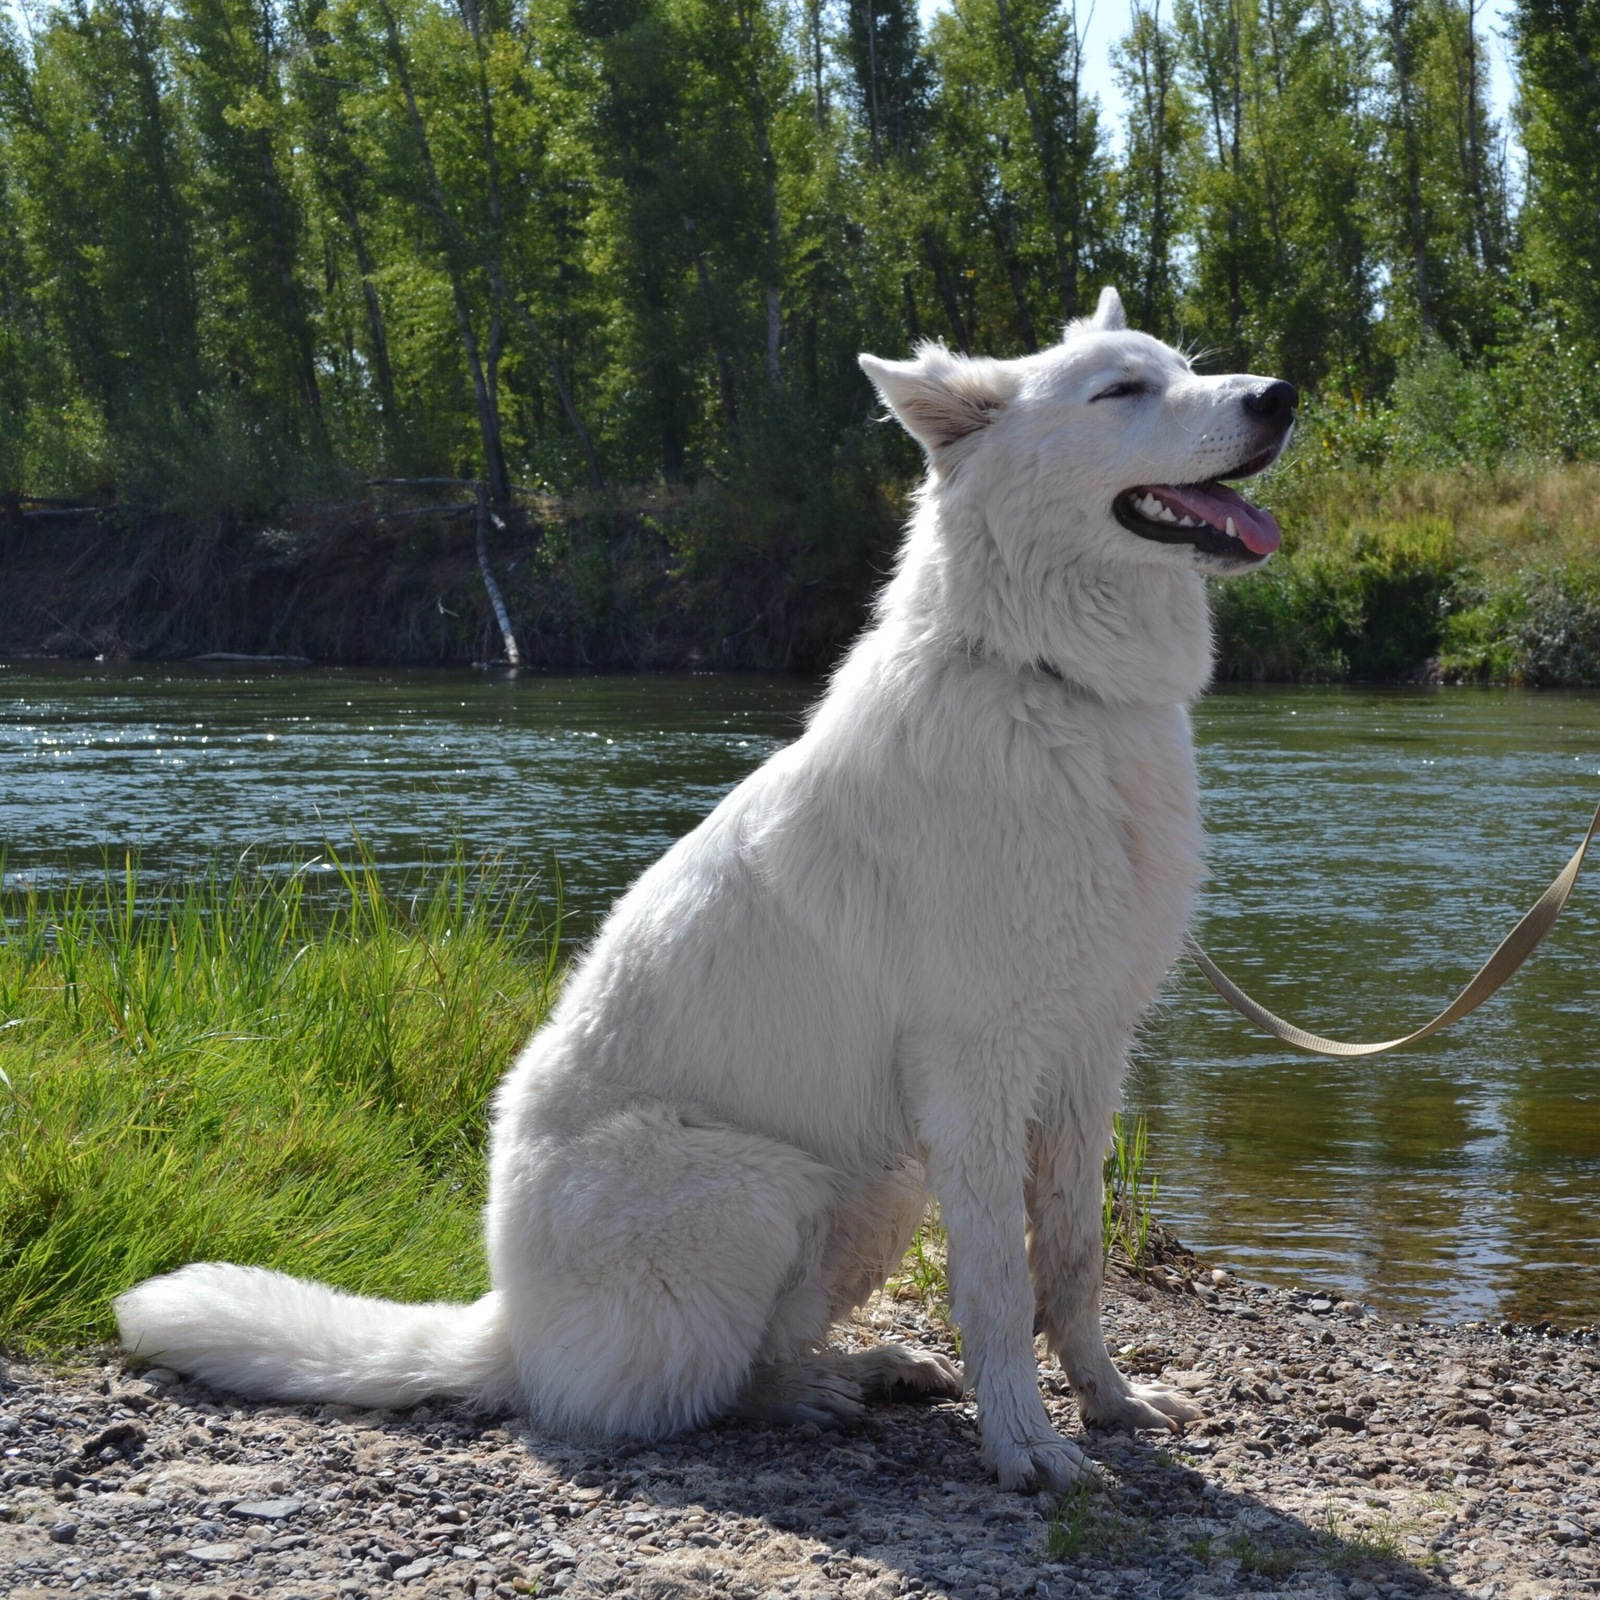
{"points": [[267, 1510], [217, 1555]]}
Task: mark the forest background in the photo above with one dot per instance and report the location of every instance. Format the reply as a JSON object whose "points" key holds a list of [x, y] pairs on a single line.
{"points": [[280, 280]]}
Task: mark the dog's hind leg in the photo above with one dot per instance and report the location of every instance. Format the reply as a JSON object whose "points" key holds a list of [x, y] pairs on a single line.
{"points": [[833, 1386], [643, 1261], [1066, 1254], [895, 1372], [867, 1232]]}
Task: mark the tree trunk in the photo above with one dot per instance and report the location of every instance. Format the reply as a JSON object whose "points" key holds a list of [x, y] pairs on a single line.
{"points": [[1235, 154], [381, 366], [557, 378], [725, 383], [819, 91], [1488, 242], [874, 115], [1002, 220], [945, 284], [913, 321], [496, 599]]}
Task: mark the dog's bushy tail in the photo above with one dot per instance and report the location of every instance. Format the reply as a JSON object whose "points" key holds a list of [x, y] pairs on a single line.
{"points": [[273, 1337]]}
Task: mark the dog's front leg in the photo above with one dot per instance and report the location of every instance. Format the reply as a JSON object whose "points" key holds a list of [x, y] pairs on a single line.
{"points": [[977, 1167], [1066, 1254]]}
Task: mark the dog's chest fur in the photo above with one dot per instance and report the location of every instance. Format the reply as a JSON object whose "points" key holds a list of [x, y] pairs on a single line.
{"points": [[1048, 845]]}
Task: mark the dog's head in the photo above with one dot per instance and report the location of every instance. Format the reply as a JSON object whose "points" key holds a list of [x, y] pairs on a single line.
{"points": [[1111, 440]]}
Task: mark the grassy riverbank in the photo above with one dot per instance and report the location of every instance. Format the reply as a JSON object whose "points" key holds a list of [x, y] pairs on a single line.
{"points": [[1459, 575], [287, 1071], [291, 1071], [1390, 571], [1410, 554]]}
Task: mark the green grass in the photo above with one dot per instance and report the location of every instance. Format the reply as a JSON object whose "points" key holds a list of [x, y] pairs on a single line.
{"points": [[286, 1070], [1126, 1220], [1381, 1540], [1262, 1557], [1130, 1196], [923, 1275], [1084, 1522], [292, 1071]]}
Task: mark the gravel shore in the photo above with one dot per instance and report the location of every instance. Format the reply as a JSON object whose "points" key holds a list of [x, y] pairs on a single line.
{"points": [[1339, 1455]]}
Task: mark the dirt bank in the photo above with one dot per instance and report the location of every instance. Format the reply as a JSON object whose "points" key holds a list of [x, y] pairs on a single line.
{"points": [[1340, 1455], [656, 581]]}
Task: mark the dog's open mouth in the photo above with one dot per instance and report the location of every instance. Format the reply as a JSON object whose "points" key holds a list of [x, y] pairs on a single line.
{"points": [[1210, 516]]}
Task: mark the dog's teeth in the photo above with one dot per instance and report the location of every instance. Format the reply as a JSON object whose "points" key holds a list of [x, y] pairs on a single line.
{"points": [[1230, 529], [1149, 506], [1186, 521], [1167, 514]]}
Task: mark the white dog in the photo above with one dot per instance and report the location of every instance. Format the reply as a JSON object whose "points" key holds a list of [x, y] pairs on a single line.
{"points": [[906, 955]]}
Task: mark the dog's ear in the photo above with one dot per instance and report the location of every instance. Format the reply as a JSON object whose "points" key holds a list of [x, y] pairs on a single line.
{"points": [[1108, 314], [941, 399]]}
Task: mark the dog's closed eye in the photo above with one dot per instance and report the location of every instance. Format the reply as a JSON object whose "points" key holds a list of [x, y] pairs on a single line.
{"points": [[1122, 390]]}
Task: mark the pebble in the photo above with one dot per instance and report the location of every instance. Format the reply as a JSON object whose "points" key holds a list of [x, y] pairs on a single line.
{"points": [[267, 1510], [1339, 1455]]}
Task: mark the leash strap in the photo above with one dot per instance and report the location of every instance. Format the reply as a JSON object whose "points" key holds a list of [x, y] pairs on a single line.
{"points": [[1512, 951]]}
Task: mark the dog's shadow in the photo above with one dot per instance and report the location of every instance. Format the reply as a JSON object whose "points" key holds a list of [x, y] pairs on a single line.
{"points": [[896, 1504], [899, 1504]]}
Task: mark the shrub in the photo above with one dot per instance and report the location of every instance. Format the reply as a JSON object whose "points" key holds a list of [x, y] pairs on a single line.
{"points": [[1367, 603], [1540, 628]]}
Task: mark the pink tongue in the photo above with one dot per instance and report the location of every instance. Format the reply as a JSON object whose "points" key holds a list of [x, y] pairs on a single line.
{"points": [[1215, 503]]}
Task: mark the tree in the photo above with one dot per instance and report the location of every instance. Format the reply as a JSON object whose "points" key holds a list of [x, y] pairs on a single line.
{"points": [[1558, 50], [1444, 222], [99, 182], [888, 80], [230, 61], [1284, 271], [1161, 143]]}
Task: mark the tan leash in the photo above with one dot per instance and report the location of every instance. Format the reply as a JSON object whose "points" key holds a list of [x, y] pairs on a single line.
{"points": [[1512, 951]]}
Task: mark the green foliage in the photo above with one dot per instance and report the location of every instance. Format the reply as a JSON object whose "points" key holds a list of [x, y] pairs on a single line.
{"points": [[1284, 273], [1262, 1558], [1542, 629], [1367, 603], [1129, 1205], [1381, 1539], [1558, 45], [251, 254], [924, 1274], [284, 1070], [1404, 557]]}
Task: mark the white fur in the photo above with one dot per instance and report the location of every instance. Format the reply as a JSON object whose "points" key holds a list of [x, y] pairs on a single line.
{"points": [[907, 954]]}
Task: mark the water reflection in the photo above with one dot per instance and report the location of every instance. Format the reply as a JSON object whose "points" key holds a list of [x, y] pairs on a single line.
{"points": [[1368, 850]]}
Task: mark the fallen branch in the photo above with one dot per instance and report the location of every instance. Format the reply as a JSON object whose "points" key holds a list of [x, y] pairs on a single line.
{"points": [[496, 599]]}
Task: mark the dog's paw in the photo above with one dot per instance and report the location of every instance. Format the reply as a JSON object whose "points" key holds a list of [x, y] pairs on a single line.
{"points": [[1142, 1405], [897, 1372], [818, 1392], [1050, 1463]]}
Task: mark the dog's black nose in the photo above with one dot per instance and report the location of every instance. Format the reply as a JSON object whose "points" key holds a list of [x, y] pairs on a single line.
{"points": [[1274, 401]]}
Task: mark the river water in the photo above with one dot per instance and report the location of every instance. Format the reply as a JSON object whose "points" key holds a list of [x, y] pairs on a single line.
{"points": [[1368, 849]]}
